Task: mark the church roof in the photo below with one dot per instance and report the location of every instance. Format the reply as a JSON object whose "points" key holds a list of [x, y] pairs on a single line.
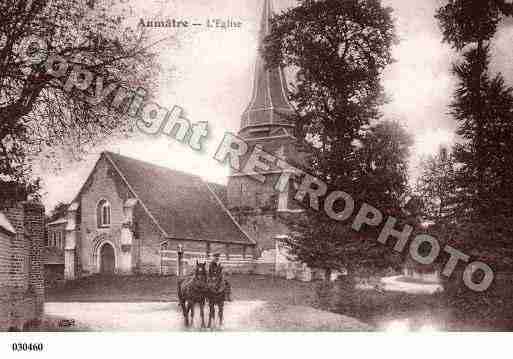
{"points": [[269, 105], [182, 205]]}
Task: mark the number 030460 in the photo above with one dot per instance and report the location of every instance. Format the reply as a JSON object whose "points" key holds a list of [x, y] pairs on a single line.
{"points": [[27, 347]]}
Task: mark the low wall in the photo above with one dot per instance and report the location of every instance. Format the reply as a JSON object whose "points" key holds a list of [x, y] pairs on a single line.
{"points": [[234, 263], [19, 310]]}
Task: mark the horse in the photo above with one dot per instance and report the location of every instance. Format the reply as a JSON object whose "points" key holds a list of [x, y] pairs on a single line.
{"points": [[216, 294], [192, 290]]}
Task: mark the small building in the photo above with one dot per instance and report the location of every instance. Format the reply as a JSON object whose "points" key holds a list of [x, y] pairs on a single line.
{"points": [[21, 269], [53, 252], [56, 234], [135, 217]]}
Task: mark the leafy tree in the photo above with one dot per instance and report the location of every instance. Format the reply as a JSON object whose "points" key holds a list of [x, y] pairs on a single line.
{"points": [[383, 157], [482, 106], [436, 187], [485, 123], [465, 22], [59, 211], [12, 192], [339, 49], [36, 110], [324, 243]]}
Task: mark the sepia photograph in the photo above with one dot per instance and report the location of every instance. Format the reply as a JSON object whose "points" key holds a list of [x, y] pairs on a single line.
{"points": [[235, 167]]}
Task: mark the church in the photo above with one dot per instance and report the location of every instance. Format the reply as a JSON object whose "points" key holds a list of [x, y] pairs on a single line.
{"points": [[134, 217]]}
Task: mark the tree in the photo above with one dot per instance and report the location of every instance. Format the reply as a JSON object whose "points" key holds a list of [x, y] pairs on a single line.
{"points": [[59, 211], [485, 123], [383, 157], [436, 187], [482, 106], [37, 110], [324, 243], [339, 48]]}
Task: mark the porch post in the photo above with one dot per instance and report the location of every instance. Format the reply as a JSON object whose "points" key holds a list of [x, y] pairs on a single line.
{"points": [[70, 255], [127, 238]]}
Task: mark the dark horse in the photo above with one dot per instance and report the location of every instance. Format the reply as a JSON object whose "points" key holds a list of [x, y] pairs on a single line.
{"points": [[216, 294], [192, 290]]}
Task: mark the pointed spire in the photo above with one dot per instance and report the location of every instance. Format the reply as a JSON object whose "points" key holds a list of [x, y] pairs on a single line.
{"points": [[269, 107]]}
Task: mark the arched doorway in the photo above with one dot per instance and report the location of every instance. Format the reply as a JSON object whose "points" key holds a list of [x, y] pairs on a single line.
{"points": [[107, 259]]}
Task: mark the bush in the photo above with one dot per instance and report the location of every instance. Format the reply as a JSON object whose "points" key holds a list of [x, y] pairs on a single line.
{"points": [[488, 310], [373, 306], [457, 308]]}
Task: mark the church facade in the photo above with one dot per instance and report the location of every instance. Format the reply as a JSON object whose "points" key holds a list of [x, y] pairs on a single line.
{"points": [[134, 217]]}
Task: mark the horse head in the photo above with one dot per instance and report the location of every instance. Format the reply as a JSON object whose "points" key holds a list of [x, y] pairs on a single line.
{"points": [[200, 272]]}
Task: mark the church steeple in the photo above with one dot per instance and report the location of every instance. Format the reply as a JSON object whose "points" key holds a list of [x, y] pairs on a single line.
{"points": [[269, 108]]}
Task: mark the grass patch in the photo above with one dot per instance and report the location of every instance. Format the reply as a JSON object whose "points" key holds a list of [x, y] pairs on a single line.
{"points": [[455, 309], [147, 288]]}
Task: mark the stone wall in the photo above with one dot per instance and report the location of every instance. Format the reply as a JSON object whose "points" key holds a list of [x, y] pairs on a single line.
{"points": [[22, 286], [148, 242]]}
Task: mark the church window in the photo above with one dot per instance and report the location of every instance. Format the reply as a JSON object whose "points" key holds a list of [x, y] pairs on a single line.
{"points": [[103, 213]]}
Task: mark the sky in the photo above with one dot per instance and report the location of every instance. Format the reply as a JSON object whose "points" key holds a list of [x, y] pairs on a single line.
{"points": [[209, 74]]}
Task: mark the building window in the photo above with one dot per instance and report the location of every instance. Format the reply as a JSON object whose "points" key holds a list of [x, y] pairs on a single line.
{"points": [[243, 252], [208, 250], [164, 246], [103, 213]]}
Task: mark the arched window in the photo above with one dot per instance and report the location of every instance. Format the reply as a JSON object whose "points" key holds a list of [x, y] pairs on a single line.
{"points": [[103, 213]]}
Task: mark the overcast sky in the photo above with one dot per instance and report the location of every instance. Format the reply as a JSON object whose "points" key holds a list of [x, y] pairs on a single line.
{"points": [[210, 75]]}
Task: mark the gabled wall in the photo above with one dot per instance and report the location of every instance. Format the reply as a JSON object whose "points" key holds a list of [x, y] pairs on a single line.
{"points": [[104, 183]]}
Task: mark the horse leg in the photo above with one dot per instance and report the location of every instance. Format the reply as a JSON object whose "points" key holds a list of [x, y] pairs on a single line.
{"points": [[202, 313], [184, 312], [192, 314], [211, 314], [221, 312]]}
